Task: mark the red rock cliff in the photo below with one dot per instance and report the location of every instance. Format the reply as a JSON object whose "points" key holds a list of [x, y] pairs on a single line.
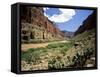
{"points": [[37, 27]]}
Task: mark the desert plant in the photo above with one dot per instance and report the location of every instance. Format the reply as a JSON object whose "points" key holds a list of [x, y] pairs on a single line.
{"points": [[79, 60], [57, 62], [30, 56]]}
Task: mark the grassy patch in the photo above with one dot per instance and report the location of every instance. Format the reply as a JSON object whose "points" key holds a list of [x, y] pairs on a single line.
{"points": [[30, 57], [34, 54]]}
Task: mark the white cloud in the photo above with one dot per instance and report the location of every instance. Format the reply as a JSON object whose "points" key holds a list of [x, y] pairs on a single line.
{"points": [[45, 11], [64, 16], [46, 8]]}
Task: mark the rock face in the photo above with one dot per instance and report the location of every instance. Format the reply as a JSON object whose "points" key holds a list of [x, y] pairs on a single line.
{"points": [[68, 34], [88, 24], [36, 27]]}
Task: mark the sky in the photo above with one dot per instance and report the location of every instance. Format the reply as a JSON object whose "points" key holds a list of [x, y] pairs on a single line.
{"points": [[67, 19]]}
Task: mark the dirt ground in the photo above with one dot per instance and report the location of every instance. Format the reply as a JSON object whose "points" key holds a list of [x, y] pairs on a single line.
{"points": [[25, 47]]}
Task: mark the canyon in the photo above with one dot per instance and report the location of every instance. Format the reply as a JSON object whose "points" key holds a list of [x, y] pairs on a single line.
{"points": [[44, 46], [35, 27], [88, 24]]}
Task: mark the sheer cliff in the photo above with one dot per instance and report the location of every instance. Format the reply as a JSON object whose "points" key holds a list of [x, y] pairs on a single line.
{"points": [[36, 27]]}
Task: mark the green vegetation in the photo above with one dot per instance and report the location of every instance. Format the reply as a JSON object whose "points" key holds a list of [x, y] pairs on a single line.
{"points": [[80, 59], [62, 47], [30, 56], [58, 62], [35, 55], [87, 49], [76, 53], [55, 63], [85, 36]]}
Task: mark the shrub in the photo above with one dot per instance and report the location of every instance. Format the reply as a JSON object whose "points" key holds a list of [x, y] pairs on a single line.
{"points": [[60, 45], [63, 50], [57, 63], [80, 60], [31, 56]]}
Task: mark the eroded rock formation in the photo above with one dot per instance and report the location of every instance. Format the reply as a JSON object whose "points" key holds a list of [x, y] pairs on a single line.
{"points": [[35, 27], [88, 24]]}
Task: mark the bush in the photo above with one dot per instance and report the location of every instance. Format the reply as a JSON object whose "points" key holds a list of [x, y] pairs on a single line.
{"points": [[34, 55], [57, 63], [80, 60], [31, 56], [60, 45], [63, 50]]}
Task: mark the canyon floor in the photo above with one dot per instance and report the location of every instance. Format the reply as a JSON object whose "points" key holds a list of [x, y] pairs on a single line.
{"points": [[25, 47], [77, 52]]}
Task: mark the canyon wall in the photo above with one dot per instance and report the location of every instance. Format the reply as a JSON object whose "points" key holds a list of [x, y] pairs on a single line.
{"points": [[35, 27], [88, 24]]}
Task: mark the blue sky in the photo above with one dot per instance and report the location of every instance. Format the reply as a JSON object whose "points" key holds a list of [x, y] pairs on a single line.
{"points": [[67, 19]]}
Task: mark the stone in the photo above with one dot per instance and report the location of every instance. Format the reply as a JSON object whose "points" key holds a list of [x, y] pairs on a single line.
{"points": [[88, 24], [35, 26]]}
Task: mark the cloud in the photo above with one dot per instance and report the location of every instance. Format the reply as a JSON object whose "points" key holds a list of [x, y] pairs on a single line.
{"points": [[64, 16], [46, 15], [45, 8]]}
